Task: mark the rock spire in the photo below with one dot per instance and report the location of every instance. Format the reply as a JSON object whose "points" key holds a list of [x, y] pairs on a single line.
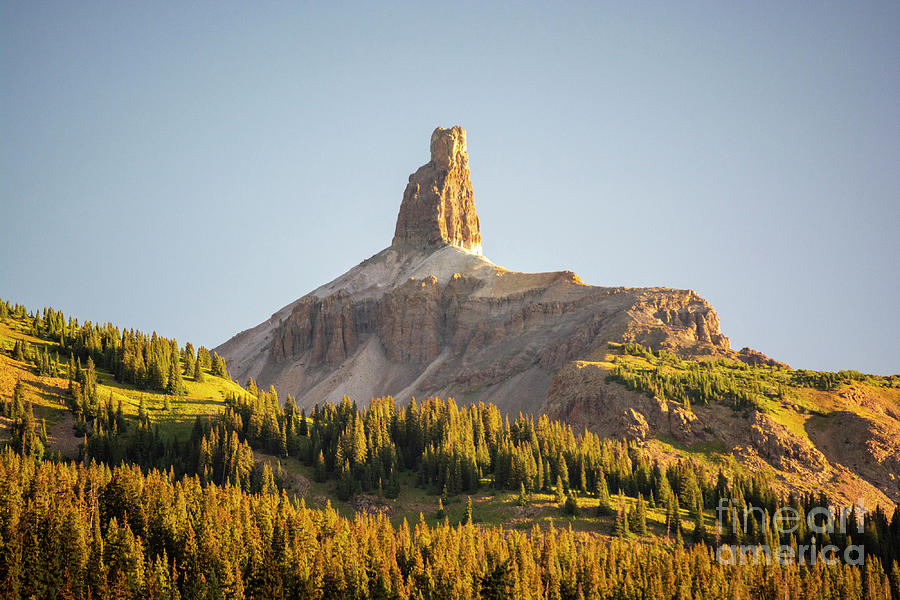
{"points": [[438, 205]]}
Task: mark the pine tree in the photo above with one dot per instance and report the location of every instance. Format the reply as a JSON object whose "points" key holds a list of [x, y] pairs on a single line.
{"points": [[346, 485], [571, 505], [539, 475], [283, 444], [699, 528], [27, 437], [219, 369], [198, 371], [676, 518], [18, 401], [19, 351], [142, 411], [663, 488], [189, 359], [203, 357], [175, 384], [638, 522], [522, 500], [358, 449], [560, 494], [268, 480], [563, 472], [467, 519], [604, 505], [320, 473], [895, 577], [620, 527]]}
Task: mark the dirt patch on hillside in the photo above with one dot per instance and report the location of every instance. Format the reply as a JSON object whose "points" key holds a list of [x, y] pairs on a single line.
{"points": [[61, 437]]}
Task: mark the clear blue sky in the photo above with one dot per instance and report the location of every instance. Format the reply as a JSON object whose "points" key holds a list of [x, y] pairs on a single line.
{"points": [[192, 167]]}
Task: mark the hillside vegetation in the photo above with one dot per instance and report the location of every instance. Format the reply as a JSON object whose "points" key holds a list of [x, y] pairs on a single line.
{"points": [[147, 427], [804, 431], [726, 381]]}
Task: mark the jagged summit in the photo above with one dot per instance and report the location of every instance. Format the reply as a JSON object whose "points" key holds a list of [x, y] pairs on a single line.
{"points": [[438, 205], [430, 315]]}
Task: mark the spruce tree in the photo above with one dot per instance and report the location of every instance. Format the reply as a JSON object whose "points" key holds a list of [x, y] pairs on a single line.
{"points": [[320, 472], [604, 505], [467, 519], [620, 527], [175, 384], [189, 361], [203, 357], [142, 410], [699, 528], [563, 471], [522, 500], [676, 518], [18, 401], [219, 369], [571, 505], [638, 523], [663, 489], [19, 351], [282, 444]]}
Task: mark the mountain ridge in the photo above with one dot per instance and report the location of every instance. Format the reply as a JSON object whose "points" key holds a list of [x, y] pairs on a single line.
{"points": [[431, 315]]}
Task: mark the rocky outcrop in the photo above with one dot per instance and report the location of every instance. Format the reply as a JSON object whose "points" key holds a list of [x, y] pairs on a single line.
{"points": [[430, 315], [580, 396], [755, 358], [439, 204], [782, 448], [682, 311]]}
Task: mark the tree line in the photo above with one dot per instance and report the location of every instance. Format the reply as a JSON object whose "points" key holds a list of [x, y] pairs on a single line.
{"points": [[146, 361], [74, 531], [723, 381]]}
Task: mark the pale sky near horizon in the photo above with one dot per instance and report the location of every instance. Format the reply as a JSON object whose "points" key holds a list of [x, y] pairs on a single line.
{"points": [[190, 168]]}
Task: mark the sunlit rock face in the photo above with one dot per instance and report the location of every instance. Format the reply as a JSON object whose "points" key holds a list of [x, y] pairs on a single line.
{"points": [[439, 204]]}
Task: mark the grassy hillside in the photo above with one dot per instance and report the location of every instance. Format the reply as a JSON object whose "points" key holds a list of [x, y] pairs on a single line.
{"points": [[174, 415]]}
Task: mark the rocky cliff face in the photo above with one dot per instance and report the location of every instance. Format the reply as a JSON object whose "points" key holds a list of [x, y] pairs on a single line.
{"points": [[469, 335], [439, 204], [430, 315]]}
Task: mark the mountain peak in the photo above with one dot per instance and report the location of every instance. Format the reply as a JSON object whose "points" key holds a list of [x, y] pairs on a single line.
{"points": [[438, 207]]}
